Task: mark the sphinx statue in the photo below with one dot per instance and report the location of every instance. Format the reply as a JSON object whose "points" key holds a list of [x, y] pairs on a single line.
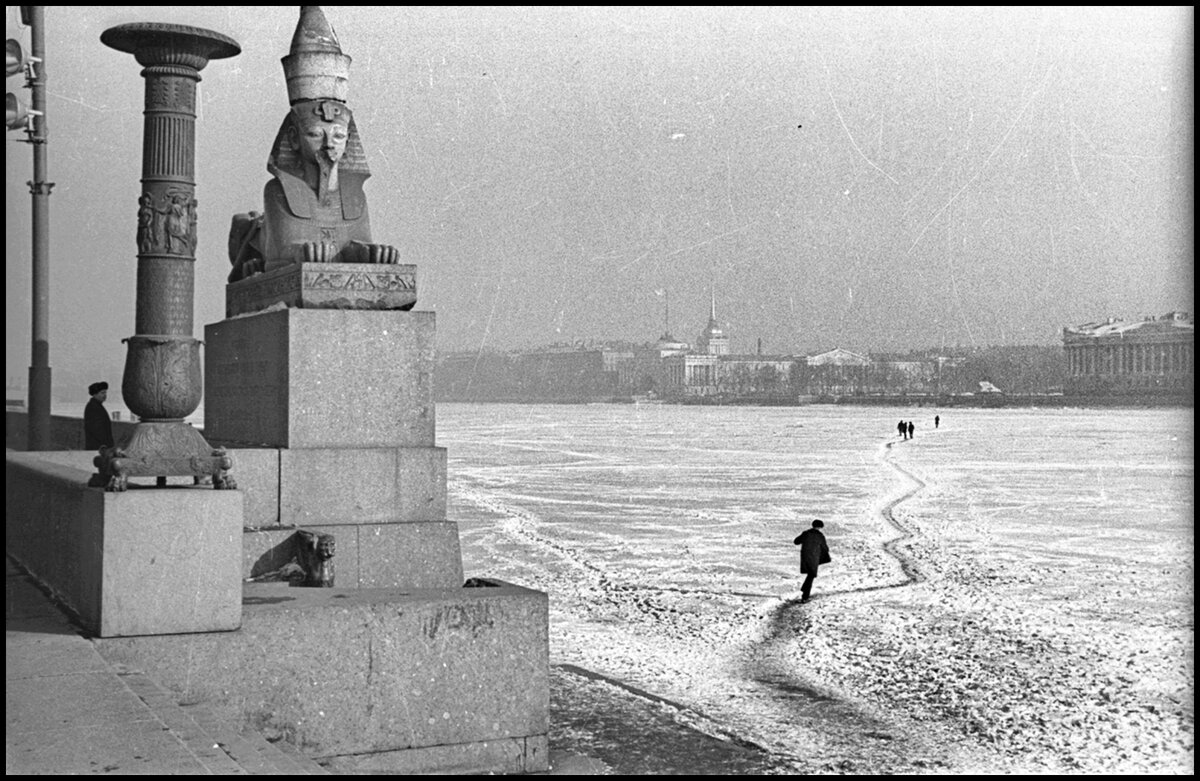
{"points": [[314, 208]]}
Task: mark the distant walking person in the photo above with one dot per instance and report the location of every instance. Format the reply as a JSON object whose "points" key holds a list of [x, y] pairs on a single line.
{"points": [[937, 419], [903, 429], [97, 426], [911, 429], [813, 553]]}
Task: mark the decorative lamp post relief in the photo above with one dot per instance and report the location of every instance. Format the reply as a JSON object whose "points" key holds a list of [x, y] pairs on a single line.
{"points": [[162, 383]]}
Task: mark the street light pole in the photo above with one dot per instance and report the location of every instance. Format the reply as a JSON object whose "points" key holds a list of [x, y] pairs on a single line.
{"points": [[39, 188]]}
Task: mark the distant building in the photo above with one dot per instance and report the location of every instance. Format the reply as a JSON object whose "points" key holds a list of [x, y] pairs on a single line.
{"points": [[1150, 357], [713, 340], [757, 375], [838, 372], [695, 372], [475, 376], [838, 357], [905, 376], [691, 374], [668, 345], [567, 373], [710, 369], [642, 371]]}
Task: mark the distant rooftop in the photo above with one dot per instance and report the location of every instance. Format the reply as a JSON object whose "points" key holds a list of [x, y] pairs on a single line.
{"points": [[839, 357], [1113, 326]]}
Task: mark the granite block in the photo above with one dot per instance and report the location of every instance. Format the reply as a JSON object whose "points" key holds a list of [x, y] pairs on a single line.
{"points": [[256, 471], [321, 378], [171, 561], [420, 484], [246, 374], [76, 459], [326, 486], [403, 555], [361, 379], [52, 527], [361, 485], [325, 286], [143, 561], [367, 670], [409, 555]]}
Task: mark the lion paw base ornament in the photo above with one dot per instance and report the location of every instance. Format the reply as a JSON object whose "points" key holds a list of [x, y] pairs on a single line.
{"points": [[160, 450]]}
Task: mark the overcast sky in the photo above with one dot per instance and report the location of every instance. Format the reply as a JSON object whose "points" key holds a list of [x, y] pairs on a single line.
{"points": [[874, 179]]}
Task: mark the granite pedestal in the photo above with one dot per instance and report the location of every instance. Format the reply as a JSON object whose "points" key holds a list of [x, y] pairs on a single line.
{"points": [[376, 680], [340, 405], [317, 378], [356, 286], [142, 562], [329, 416]]}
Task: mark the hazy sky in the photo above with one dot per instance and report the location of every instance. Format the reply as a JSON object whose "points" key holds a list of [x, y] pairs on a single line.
{"points": [[875, 179]]}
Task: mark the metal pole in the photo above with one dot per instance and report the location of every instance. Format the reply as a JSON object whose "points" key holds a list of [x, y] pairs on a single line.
{"points": [[39, 370]]}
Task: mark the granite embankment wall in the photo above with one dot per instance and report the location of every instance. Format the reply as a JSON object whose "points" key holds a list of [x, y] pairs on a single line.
{"points": [[66, 433]]}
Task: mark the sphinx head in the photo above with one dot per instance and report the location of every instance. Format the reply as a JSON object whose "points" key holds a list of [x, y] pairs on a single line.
{"points": [[319, 131]]}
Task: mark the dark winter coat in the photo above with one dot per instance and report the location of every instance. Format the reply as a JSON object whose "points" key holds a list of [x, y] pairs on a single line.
{"points": [[97, 427], [813, 551]]}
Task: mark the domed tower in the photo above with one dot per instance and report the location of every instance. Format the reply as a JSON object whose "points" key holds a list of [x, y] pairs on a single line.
{"points": [[713, 340]]}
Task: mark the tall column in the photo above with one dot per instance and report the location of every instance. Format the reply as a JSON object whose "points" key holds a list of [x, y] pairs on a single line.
{"points": [[162, 366], [162, 383]]}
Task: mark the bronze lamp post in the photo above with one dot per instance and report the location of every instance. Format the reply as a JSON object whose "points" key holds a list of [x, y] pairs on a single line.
{"points": [[162, 382]]}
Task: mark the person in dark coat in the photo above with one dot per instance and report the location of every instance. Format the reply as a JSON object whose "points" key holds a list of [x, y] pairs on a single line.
{"points": [[97, 426], [902, 427], [814, 552], [911, 429]]}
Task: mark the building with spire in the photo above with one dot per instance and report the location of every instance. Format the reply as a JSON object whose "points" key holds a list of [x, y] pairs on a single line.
{"points": [[713, 340], [710, 371]]}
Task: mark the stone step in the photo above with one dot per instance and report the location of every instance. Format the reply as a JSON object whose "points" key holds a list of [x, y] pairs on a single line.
{"points": [[215, 745]]}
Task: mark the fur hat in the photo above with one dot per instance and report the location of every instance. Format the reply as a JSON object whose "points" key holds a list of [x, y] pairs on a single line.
{"points": [[818, 524], [96, 387]]}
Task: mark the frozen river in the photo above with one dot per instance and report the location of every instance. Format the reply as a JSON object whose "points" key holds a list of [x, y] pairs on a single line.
{"points": [[1009, 592]]}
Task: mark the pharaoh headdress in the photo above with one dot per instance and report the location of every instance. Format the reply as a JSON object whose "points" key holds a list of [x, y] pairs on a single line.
{"points": [[317, 72]]}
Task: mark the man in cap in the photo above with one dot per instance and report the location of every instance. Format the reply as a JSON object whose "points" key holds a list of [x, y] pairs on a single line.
{"points": [[97, 427], [814, 552]]}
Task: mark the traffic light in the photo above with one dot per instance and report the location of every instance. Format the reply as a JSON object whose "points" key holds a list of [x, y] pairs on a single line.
{"points": [[12, 58], [17, 113]]}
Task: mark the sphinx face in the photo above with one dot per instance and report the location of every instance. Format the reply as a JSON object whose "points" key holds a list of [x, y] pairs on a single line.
{"points": [[319, 131], [322, 141]]}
